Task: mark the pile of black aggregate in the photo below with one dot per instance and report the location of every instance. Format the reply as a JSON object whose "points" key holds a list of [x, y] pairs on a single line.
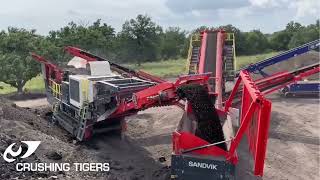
{"points": [[209, 127], [8, 170]]}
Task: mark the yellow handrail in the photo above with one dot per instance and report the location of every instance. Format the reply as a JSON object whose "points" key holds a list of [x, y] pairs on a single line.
{"points": [[195, 38], [55, 88], [231, 37], [85, 93], [85, 89]]}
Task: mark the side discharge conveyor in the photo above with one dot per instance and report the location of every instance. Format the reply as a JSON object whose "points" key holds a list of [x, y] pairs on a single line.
{"points": [[293, 87], [259, 66]]}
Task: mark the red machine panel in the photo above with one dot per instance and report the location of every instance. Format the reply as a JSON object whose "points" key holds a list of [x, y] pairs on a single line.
{"points": [[254, 120]]}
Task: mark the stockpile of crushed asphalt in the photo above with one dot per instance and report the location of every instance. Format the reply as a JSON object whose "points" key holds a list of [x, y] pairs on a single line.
{"points": [[17, 124], [208, 123], [57, 146], [8, 170], [35, 118]]}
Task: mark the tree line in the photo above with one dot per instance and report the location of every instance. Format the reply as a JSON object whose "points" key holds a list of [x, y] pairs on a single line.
{"points": [[139, 40]]}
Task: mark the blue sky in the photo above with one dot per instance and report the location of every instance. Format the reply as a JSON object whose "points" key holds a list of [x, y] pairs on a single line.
{"points": [[266, 15]]}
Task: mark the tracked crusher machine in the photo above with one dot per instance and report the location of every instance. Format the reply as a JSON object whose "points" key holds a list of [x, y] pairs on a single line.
{"points": [[93, 95]]}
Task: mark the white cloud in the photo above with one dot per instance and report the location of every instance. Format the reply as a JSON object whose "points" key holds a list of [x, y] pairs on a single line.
{"points": [[238, 13], [196, 13], [44, 15], [179, 6], [306, 7], [302, 8], [267, 15], [265, 3]]}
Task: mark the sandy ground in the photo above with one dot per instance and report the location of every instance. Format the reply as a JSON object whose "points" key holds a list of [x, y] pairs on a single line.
{"points": [[293, 147], [293, 150], [33, 103]]}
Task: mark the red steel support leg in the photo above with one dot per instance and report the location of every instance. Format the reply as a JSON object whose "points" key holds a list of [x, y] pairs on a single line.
{"points": [[233, 93], [262, 137]]}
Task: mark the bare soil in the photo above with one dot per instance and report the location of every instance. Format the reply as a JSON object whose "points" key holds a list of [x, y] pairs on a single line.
{"points": [[293, 149], [37, 103], [25, 96]]}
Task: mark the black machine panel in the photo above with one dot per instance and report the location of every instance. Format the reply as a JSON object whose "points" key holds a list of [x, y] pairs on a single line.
{"points": [[74, 90], [190, 167]]}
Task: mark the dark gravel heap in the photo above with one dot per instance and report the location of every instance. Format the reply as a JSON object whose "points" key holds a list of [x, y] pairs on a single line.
{"points": [[8, 170], [209, 127]]}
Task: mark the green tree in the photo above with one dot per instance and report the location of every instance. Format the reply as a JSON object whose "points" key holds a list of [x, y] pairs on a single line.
{"points": [[97, 38], [293, 27], [202, 28], [141, 37], [17, 66], [279, 40], [256, 42], [293, 35], [230, 28], [173, 41], [240, 38], [305, 35]]}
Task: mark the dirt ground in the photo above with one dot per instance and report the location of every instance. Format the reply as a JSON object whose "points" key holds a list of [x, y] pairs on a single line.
{"points": [[33, 103], [293, 147]]}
